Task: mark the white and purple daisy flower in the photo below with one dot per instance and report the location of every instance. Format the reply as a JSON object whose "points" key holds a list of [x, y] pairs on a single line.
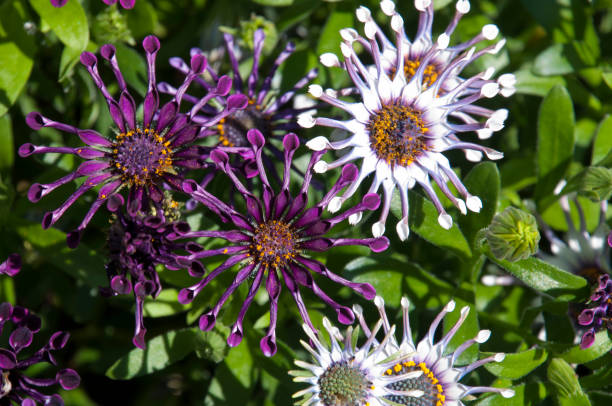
{"points": [[405, 122], [142, 156], [390, 372], [271, 242]]}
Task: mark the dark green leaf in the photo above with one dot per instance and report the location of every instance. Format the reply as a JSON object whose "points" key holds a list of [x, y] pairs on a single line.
{"points": [[16, 52], [526, 394], [603, 141], [555, 140], [528, 83], [166, 304], [274, 3], [212, 344], [517, 365], [133, 67], [553, 61], [482, 181], [161, 351], [329, 41], [566, 384], [68, 22], [544, 277], [7, 153]]}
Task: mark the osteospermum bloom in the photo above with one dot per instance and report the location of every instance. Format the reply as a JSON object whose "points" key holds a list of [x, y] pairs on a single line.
{"points": [[585, 254], [136, 245], [15, 385], [404, 123], [141, 156], [272, 241], [348, 375], [269, 111], [124, 3], [390, 372]]}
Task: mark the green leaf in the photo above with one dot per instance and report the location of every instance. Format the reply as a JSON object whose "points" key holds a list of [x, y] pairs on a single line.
{"points": [[423, 220], [553, 61], [482, 181], [161, 351], [518, 364], [544, 277], [82, 263], [239, 361], [212, 344], [594, 182], [68, 22], [603, 141], [166, 304], [600, 347], [329, 40], [555, 140], [528, 83], [16, 52], [7, 153], [35, 234], [70, 57], [274, 3], [566, 385]]}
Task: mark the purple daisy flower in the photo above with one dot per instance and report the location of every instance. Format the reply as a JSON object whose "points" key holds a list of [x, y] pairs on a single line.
{"points": [[15, 385], [136, 245], [12, 265], [598, 313], [273, 239], [143, 155], [404, 123], [124, 3], [271, 113]]}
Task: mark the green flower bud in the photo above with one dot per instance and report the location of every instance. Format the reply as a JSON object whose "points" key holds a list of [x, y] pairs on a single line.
{"points": [[110, 26], [513, 235]]}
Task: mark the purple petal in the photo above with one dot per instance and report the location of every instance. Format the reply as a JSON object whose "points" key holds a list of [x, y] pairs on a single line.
{"points": [[7, 359], [127, 3], [58, 340], [12, 265], [121, 285], [291, 142], [237, 101], [68, 379], [35, 120], [268, 345], [586, 317], [185, 296], [587, 340], [371, 201], [6, 311], [349, 173], [114, 202], [198, 64], [256, 138], [58, 3], [235, 337], [379, 244], [151, 44], [207, 321], [224, 85], [20, 338], [73, 238]]}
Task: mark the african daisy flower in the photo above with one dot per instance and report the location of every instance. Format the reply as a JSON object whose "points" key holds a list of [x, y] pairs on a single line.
{"points": [[420, 374], [269, 111], [124, 3], [141, 156], [272, 240], [405, 122], [136, 245], [585, 254], [15, 385]]}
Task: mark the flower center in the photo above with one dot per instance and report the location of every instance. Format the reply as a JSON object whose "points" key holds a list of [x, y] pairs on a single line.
{"points": [[430, 75], [343, 385], [233, 128], [397, 134], [433, 392], [274, 244], [141, 154]]}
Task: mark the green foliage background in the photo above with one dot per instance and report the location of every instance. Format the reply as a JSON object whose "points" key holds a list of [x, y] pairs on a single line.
{"points": [[559, 128]]}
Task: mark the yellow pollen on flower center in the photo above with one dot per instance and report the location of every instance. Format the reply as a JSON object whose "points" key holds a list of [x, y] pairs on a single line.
{"points": [[427, 382], [233, 129], [274, 244], [397, 134], [430, 75], [139, 155]]}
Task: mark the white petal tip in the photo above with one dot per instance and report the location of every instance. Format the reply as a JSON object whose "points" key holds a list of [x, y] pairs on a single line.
{"points": [[357, 309], [450, 306], [363, 14], [461, 206], [494, 155], [463, 6], [490, 31], [405, 302], [507, 91], [474, 204], [397, 23], [499, 357], [421, 5], [355, 218], [320, 167], [329, 59], [318, 143], [483, 336], [507, 80], [306, 121], [347, 51], [489, 90], [473, 156], [508, 393], [488, 73], [348, 34], [403, 231], [445, 221], [379, 302], [378, 229], [370, 29], [315, 90], [465, 310], [484, 134], [334, 204], [443, 41], [387, 7]]}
